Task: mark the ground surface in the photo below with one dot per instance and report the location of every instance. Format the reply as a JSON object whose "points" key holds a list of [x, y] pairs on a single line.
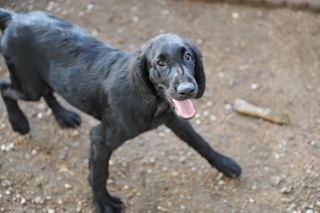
{"points": [[277, 50]]}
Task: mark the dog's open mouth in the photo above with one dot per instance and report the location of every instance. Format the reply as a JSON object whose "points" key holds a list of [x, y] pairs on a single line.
{"points": [[183, 109]]}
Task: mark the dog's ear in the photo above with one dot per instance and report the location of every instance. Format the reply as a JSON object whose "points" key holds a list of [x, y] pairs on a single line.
{"points": [[140, 75], [199, 71]]}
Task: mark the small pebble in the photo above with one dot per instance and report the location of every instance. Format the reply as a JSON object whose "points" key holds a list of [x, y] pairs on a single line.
{"points": [[94, 33], [165, 12], [213, 118], [59, 201], [7, 192], [161, 134], [34, 152], [254, 86], [39, 200], [209, 104], [49, 8], [309, 87], [275, 180], [120, 31], [152, 160], [182, 159], [309, 211], [75, 133], [40, 115], [23, 201], [183, 207], [7, 149], [142, 143], [109, 181], [63, 156], [134, 8], [80, 14], [235, 15], [67, 186], [49, 112], [242, 67], [221, 182], [164, 169], [228, 107], [219, 176], [283, 190], [89, 8], [51, 211], [251, 200], [198, 122], [135, 19], [65, 12], [199, 41]]}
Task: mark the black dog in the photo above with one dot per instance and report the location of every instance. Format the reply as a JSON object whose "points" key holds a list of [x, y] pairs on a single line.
{"points": [[129, 94]]}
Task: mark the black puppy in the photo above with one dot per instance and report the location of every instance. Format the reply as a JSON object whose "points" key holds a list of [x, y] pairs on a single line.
{"points": [[129, 94]]}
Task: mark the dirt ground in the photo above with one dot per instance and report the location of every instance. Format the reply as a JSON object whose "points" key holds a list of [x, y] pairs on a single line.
{"points": [[269, 57]]}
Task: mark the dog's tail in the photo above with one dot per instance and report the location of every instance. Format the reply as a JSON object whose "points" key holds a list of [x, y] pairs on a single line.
{"points": [[5, 18]]}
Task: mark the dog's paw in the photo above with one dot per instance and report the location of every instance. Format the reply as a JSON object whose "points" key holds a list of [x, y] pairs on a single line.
{"points": [[227, 166], [110, 205], [67, 119], [19, 122]]}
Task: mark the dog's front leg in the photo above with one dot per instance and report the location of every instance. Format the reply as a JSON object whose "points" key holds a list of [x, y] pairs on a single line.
{"points": [[184, 130], [99, 162]]}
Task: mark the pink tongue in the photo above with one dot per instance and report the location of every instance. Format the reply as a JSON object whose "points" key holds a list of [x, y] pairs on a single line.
{"points": [[184, 108]]}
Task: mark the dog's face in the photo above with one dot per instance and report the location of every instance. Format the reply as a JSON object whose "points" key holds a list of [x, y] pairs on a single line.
{"points": [[170, 66]]}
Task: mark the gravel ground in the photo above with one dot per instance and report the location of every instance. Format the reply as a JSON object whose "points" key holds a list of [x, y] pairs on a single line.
{"points": [[268, 57]]}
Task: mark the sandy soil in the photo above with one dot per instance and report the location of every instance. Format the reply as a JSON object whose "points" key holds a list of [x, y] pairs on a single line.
{"points": [[269, 57]]}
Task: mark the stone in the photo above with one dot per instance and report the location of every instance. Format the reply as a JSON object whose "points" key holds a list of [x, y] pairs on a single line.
{"points": [[275, 180]]}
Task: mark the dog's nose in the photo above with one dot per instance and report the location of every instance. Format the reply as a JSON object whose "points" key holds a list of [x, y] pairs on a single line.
{"points": [[185, 89]]}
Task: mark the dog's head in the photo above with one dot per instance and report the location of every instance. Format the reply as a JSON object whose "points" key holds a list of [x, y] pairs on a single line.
{"points": [[171, 67]]}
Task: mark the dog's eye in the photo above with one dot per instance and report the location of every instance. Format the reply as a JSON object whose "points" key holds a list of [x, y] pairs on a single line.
{"points": [[160, 63], [188, 57]]}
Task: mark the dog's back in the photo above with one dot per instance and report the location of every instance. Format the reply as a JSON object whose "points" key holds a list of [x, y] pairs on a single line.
{"points": [[45, 53]]}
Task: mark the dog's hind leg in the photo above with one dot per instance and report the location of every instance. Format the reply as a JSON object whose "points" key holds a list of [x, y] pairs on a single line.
{"points": [[65, 118], [99, 163], [16, 117]]}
